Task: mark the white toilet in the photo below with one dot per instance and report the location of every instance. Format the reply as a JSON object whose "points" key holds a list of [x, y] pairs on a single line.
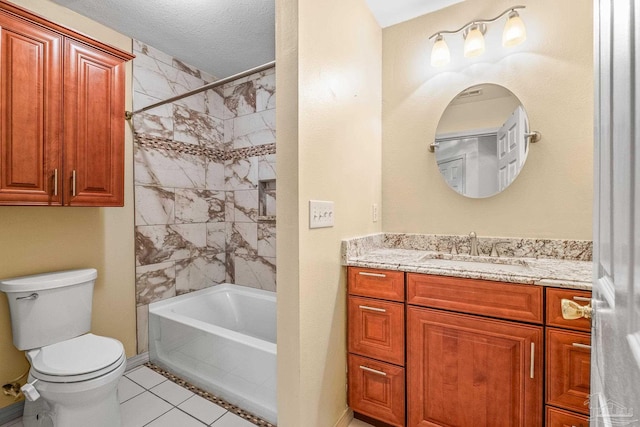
{"points": [[74, 375]]}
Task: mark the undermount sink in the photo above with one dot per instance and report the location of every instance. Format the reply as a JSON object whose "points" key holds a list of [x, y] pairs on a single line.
{"points": [[510, 265]]}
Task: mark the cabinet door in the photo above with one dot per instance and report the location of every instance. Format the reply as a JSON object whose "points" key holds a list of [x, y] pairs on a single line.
{"points": [[376, 329], [30, 118], [93, 126], [568, 369], [465, 370], [376, 389]]}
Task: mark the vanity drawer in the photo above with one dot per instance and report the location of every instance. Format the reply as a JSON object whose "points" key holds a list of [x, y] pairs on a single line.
{"points": [[487, 298], [374, 283], [554, 308], [376, 329], [376, 389], [568, 369], [559, 418]]}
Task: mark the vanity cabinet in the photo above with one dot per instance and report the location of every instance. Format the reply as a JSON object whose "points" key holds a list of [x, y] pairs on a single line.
{"points": [[568, 355], [376, 344], [467, 369], [62, 120], [471, 352]]}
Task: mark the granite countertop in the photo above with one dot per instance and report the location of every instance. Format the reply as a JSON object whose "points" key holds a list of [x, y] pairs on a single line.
{"points": [[384, 252]]}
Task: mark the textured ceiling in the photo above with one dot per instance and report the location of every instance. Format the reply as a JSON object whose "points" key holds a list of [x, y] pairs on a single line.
{"points": [[222, 37]]}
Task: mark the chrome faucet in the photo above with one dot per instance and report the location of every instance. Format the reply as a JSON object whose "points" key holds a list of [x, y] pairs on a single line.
{"points": [[494, 247], [473, 241]]}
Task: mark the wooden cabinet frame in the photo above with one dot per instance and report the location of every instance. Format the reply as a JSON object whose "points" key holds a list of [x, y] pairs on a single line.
{"points": [[62, 122]]}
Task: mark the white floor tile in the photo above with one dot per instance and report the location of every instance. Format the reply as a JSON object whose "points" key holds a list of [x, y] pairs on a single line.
{"points": [[202, 409], [171, 392], [143, 408], [145, 377], [232, 420], [174, 418], [128, 389]]}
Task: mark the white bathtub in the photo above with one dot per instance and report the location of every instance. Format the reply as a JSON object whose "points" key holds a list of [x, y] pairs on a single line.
{"points": [[221, 339]]}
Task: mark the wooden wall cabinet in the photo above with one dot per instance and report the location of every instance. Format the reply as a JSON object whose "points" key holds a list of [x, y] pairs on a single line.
{"points": [[62, 120]]}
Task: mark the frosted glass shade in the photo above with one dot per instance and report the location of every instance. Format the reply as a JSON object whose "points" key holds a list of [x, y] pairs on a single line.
{"points": [[514, 31], [474, 43], [440, 53]]}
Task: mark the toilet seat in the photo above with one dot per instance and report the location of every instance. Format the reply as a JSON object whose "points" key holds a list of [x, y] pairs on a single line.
{"points": [[79, 359]]}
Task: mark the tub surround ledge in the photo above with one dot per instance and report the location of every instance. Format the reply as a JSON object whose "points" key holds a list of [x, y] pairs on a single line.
{"points": [[545, 262]]}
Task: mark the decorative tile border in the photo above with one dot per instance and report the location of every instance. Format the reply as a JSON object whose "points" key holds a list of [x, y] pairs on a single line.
{"points": [[210, 397], [166, 144]]}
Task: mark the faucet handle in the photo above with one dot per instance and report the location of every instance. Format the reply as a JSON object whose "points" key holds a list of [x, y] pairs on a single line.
{"points": [[473, 234], [494, 251]]}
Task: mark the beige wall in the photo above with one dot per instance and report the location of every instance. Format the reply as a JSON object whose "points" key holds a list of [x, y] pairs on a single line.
{"points": [[551, 74], [329, 82], [40, 239]]}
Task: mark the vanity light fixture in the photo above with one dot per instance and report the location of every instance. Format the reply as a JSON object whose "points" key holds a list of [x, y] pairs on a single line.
{"points": [[440, 54], [473, 32]]}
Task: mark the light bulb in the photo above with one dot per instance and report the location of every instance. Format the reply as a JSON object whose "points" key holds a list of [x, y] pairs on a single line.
{"points": [[474, 42], [514, 31], [440, 53]]}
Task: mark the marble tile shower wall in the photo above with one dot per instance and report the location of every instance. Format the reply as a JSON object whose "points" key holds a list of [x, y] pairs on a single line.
{"points": [[198, 166]]}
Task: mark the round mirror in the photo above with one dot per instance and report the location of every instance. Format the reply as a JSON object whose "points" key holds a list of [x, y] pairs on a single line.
{"points": [[482, 140]]}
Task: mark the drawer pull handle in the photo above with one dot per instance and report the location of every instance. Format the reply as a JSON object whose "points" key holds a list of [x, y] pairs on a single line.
{"points": [[572, 310], [585, 346], [373, 371], [55, 182], [364, 273], [583, 299], [366, 307], [533, 358], [73, 183]]}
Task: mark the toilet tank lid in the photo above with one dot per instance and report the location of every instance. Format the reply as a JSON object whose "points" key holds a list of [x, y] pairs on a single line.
{"points": [[56, 279]]}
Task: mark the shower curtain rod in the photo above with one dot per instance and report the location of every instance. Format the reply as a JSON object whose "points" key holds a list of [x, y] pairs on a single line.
{"points": [[129, 114]]}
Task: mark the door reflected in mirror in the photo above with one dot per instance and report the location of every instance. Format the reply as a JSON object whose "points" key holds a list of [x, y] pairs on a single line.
{"points": [[482, 140]]}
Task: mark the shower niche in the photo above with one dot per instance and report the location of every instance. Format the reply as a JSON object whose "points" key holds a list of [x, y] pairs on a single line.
{"points": [[267, 200]]}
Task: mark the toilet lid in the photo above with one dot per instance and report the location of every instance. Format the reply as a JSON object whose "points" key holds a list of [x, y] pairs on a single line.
{"points": [[81, 356]]}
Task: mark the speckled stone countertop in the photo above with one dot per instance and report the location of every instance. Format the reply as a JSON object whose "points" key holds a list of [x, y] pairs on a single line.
{"points": [[559, 263]]}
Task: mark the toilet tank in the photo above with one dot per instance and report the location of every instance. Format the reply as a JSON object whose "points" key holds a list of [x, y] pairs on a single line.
{"points": [[49, 308]]}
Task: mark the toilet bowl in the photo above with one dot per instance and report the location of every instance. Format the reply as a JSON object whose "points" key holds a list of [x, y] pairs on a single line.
{"points": [[78, 380], [74, 374]]}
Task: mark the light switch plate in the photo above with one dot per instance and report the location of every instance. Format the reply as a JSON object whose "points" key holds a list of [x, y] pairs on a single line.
{"points": [[320, 214]]}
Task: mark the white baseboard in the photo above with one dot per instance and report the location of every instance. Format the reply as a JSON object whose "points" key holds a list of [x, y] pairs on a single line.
{"points": [[345, 419], [11, 412], [138, 360]]}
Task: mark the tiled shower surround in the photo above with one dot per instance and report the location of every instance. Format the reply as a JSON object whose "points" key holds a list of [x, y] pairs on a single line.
{"points": [[198, 166]]}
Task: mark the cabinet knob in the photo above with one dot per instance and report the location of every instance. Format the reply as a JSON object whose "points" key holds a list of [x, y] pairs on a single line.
{"points": [[571, 310]]}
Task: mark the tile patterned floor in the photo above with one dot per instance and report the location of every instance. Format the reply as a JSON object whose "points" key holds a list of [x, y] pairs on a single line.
{"points": [[148, 399]]}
